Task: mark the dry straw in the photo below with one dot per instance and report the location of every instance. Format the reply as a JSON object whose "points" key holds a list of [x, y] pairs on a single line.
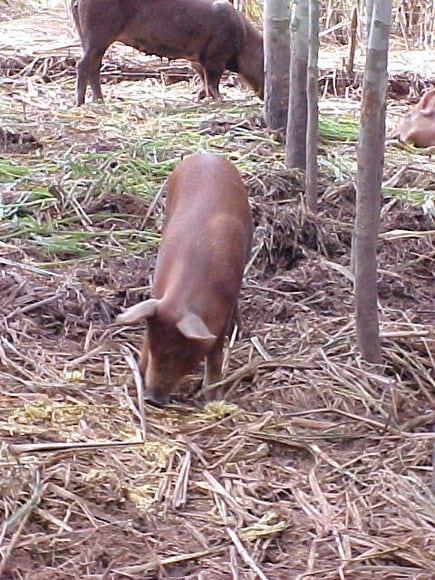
{"points": [[316, 465]]}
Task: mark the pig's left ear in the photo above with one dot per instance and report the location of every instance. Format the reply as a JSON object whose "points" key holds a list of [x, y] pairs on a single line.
{"points": [[193, 328], [145, 309]]}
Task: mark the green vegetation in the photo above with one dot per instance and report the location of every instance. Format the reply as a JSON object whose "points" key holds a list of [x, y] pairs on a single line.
{"points": [[71, 202]]}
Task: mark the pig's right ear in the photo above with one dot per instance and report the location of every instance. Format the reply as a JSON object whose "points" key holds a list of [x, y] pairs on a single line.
{"points": [[193, 328], [145, 309]]}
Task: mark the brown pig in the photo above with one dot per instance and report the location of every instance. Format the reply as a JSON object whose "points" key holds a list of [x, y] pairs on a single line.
{"points": [[205, 246], [210, 33], [418, 125]]}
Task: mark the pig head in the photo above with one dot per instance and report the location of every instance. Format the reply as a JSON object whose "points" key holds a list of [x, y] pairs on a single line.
{"points": [[418, 125]]}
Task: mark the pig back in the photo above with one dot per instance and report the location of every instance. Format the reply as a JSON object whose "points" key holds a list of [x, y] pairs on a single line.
{"points": [[206, 240]]}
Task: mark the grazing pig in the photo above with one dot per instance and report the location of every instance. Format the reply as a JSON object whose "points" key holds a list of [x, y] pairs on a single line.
{"points": [[206, 243], [210, 33], [418, 125]]}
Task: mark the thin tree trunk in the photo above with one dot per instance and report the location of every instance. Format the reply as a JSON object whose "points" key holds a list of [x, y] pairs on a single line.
{"points": [[297, 113], [369, 16], [311, 177], [369, 13], [276, 62], [352, 39], [369, 179], [350, 68]]}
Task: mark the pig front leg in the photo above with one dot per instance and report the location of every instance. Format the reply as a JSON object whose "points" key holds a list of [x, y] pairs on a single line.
{"points": [[213, 369], [203, 91]]}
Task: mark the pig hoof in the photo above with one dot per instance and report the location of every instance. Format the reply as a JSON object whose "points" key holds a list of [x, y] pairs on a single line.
{"points": [[217, 394], [156, 401]]}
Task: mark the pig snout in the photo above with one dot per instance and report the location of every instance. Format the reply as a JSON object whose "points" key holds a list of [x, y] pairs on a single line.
{"points": [[157, 388]]}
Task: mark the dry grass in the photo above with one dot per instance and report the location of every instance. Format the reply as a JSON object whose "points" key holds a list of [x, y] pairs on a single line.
{"points": [[316, 465]]}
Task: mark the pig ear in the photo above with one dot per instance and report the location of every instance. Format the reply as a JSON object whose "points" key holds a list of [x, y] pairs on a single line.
{"points": [[139, 311], [192, 327]]}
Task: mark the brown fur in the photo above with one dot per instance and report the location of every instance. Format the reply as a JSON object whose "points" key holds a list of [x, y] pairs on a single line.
{"points": [[205, 246], [418, 125], [210, 33]]}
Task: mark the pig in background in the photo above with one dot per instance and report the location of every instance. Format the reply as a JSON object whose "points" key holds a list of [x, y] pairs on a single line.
{"points": [[210, 33]]}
